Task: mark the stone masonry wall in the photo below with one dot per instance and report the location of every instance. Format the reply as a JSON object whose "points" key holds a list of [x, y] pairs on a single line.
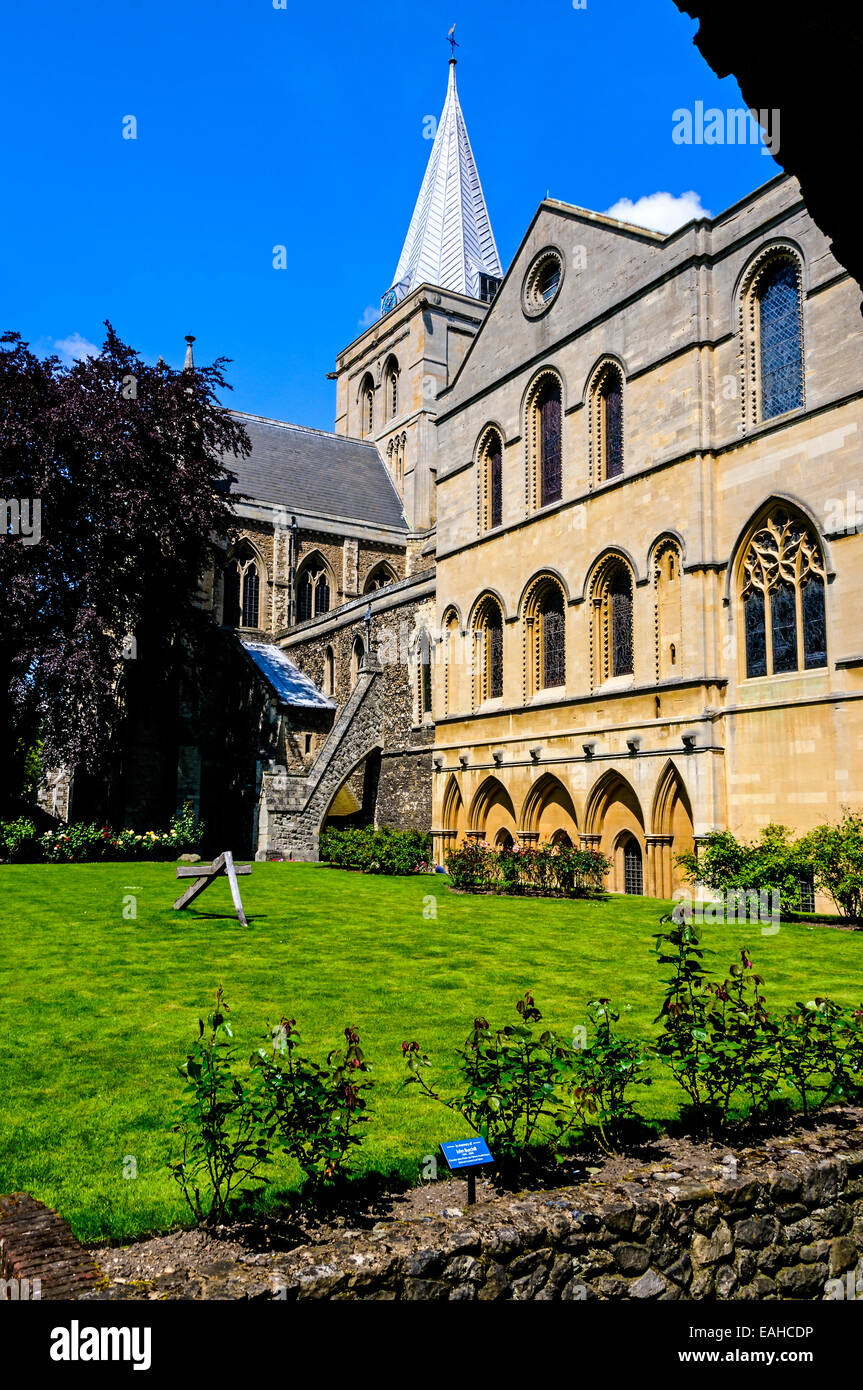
{"points": [[789, 1236]]}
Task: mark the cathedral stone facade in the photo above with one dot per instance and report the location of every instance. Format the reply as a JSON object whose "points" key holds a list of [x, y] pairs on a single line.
{"points": [[579, 560]]}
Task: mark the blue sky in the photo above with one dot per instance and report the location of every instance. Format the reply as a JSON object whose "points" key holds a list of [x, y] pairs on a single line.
{"points": [[303, 127]]}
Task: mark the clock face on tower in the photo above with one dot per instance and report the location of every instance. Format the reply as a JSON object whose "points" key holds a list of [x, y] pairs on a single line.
{"points": [[388, 302]]}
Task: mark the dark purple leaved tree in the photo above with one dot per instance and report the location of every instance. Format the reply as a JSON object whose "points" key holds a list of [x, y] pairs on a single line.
{"points": [[113, 477]]}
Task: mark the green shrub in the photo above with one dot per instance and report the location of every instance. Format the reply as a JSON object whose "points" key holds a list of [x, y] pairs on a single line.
{"points": [[821, 1052], [774, 863], [560, 870], [19, 843], [383, 851], [836, 854], [314, 1112], [522, 1088], [222, 1124]]}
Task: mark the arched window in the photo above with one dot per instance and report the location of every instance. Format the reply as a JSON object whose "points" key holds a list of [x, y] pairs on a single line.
{"points": [[242, 592], [606, 422], [313, 589], [779, 340], [424, 673], [379, 577], [451, 654], [620, 595], [358, 652], [367, 407], [545, 635], [772, 326], [488, 630], [667, 586], [392, 391], [782, 591], [612, 618], [545, 443], [491, 480], [251, 592]]}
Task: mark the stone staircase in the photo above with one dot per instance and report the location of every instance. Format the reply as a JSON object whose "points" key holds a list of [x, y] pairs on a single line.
{"points": [[294, 805]]}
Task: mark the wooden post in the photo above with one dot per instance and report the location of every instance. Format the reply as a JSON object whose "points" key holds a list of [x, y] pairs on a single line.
{"points": [[235, 887], [205, 874]]}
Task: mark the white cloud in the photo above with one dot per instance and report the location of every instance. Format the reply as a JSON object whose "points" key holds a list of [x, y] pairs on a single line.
{"points": [[661, 212], [370, 316], [74, 349]]}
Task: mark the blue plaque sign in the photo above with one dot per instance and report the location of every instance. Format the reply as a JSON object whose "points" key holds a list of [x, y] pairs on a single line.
{"points": [[466, 1153]]}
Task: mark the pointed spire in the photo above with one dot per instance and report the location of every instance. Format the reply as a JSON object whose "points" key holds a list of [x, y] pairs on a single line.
{"points": [[190, 360], [449, 242]]}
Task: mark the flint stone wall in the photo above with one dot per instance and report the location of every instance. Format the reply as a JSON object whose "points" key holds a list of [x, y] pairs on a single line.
{"points": [[789, 1236]]}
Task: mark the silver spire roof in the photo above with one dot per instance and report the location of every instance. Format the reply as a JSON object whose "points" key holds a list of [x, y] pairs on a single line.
{"points": [[449, 242]]}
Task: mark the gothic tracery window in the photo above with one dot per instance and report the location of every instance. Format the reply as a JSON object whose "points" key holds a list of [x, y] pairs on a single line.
{"points": [[313, 590], [379, 577], [242, 590], [783, 584]]}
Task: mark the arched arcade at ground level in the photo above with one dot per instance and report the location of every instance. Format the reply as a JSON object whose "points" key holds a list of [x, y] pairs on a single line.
{"points": [[641, 830]]}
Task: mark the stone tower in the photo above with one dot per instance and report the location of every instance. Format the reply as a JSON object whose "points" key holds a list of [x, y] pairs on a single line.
{"points": [[446, 277]]}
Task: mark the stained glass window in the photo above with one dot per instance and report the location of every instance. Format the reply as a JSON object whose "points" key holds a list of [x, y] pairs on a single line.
{"points": [[621, 624], [783, 599], [780, 341], [553, 651], [305, 591], [495, 482], [814, 623], [494, 639], [756, 643], [322, 596], [783, 624], [251, 588], [612, 424], [548, 405]]}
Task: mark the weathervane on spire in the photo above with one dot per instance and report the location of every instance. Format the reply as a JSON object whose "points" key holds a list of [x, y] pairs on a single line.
{"points": [[451, 40]]}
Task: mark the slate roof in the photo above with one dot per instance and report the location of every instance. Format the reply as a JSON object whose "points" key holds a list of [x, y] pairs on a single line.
{"points": [[449, 241], [289, 684], [315, 473]]}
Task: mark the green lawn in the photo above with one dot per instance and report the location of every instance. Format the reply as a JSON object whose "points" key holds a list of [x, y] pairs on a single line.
{"points": [[96, 1009]]}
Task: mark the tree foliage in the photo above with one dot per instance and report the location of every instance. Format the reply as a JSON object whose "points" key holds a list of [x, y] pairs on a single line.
{"points": [[125, 463]]}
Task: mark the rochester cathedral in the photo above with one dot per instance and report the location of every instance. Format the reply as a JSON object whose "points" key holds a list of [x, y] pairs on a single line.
{"points": [[578, 561]]}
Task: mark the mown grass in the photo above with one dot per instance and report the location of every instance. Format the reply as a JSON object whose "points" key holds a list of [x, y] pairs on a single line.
{"points": [[97, 1008]]}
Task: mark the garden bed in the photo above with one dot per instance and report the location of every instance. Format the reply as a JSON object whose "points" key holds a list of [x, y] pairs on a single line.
{"points": [[270, 1257]]}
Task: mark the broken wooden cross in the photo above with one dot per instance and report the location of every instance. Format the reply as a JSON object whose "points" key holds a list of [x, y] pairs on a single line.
{"points": [[205, 874]]}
